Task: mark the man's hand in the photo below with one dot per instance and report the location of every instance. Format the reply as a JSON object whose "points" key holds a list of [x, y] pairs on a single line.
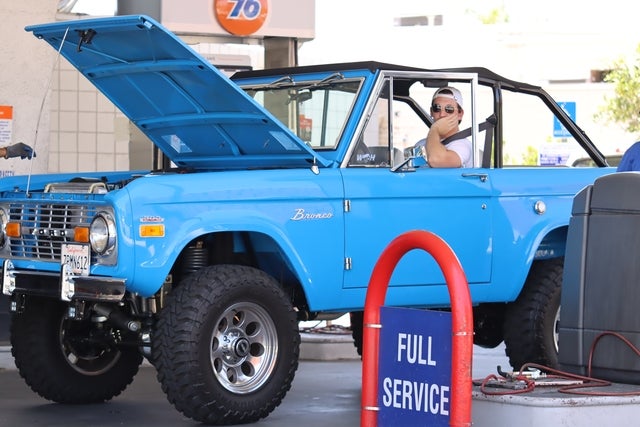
{"points": [[21, 150], [437, 154], [445, 126]]}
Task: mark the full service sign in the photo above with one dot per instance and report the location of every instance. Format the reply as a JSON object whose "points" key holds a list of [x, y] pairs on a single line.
{"points": [[241, 17], [414, 367]]}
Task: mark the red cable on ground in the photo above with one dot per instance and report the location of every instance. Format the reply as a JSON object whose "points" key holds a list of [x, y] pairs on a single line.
{"points": [[585, 382], [462, 324]]}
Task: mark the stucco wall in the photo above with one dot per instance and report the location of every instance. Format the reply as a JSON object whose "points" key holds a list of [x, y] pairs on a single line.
{"points": [[26, 71]]}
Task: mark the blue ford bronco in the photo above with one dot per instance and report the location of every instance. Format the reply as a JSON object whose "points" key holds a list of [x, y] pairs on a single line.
{"points": [[276, 194]]}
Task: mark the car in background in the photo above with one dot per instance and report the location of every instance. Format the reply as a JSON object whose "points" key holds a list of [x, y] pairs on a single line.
{"points": [[587, 162]]}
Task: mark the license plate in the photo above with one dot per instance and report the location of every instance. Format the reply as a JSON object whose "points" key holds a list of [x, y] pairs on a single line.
{"points": [[77, 258]]}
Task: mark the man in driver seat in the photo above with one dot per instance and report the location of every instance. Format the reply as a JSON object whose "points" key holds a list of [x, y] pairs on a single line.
{"points": [[446, 109]]}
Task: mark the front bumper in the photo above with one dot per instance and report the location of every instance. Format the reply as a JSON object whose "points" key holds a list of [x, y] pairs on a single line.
{"points": [[63, 286]]}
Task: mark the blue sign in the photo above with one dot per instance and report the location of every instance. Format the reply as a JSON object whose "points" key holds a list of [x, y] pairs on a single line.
{"points": [[559, 131], [414, 369]]}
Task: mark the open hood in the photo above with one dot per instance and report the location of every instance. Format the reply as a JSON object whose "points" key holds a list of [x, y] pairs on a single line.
{"points": [[188, 108]]}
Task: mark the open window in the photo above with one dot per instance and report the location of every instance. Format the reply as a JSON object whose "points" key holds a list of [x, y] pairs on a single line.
{"points": [[396, 126], [532, 135]]}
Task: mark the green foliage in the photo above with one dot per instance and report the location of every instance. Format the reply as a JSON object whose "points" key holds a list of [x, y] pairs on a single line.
{"points": [[530, 157], [494, 16], [624, 106]]}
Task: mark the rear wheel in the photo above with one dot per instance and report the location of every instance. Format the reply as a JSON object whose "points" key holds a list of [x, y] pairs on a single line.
{"points": [[69, 361], [531, 324], [357, 319], [226, 345]]}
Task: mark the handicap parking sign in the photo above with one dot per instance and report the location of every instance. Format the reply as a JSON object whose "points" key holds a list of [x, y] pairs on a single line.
{"points": [[559, 131]]}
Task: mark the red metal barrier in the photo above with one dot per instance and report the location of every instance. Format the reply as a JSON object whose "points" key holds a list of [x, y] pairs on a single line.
{"points": [[462, 324]]}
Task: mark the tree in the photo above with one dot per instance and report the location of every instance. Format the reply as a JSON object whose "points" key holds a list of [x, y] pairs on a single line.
{"points": [[624, 106], [531, 156], [493, 16]]}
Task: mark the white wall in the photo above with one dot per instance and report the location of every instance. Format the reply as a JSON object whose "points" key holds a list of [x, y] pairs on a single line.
{"points": [[87, 132], [26, 70]]}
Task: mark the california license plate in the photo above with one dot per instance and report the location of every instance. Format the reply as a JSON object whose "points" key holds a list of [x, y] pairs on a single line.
{"points": [[77, 257]]}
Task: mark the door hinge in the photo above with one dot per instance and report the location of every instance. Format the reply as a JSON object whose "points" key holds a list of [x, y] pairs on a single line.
{"points": [[347, 205], [347, 263]]}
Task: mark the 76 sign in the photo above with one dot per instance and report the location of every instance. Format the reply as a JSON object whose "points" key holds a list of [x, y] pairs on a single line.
{"points": [[241, 17]]}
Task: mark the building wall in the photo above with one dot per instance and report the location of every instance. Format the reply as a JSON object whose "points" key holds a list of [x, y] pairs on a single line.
{"points": [[83, 127], [26, 73]]}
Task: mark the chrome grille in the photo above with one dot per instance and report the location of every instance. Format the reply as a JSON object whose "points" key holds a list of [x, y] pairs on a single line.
{"points": [[45, 227]]}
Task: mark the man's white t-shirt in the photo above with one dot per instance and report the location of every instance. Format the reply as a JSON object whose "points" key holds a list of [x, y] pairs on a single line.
{"points": [[462, 147]]}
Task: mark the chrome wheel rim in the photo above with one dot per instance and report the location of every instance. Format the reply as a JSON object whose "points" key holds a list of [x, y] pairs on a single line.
{"points": [[244, 348]]}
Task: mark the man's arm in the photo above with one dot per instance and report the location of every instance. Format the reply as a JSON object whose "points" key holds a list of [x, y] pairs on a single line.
{"points": [[630, 159], [18, 149]]}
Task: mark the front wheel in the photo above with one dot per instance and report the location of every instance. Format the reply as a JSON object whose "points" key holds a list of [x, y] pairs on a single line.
{"points": [[226, 345], [69, 361], [531, 323]]}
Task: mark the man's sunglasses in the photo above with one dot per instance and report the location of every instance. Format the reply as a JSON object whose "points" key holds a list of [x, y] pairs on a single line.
{"points": [[449, 109]]}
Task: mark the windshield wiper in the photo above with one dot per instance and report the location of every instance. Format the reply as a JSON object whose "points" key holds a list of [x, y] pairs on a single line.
{"points": [[330, 78], [327, 81], [282, 81], [288, 81]]}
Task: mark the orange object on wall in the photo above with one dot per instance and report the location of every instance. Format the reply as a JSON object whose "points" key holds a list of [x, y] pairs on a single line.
{"points": [[6, 112], [241, 17]]}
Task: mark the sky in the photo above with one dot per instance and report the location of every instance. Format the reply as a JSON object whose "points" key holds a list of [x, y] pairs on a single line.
{"points": [[95, 7], [361, 29], [364, 16], [364, 30]]}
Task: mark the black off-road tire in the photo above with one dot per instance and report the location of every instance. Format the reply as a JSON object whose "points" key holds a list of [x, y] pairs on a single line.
{"points": [[56, 360], [226, 345], [531, 323], [357, 324]]}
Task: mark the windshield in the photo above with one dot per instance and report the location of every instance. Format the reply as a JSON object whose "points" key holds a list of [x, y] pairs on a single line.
{"points": [[315, 111]]}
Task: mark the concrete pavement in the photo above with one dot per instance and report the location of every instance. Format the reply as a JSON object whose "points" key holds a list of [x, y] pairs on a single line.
{"points": [[324, 393]]}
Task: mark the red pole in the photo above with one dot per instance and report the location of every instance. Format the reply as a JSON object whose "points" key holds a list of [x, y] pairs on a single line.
{"points": [[462, 324]]}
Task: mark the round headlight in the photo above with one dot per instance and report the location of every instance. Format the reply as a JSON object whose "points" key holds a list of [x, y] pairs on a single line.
{"points": [[102, 233]]}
